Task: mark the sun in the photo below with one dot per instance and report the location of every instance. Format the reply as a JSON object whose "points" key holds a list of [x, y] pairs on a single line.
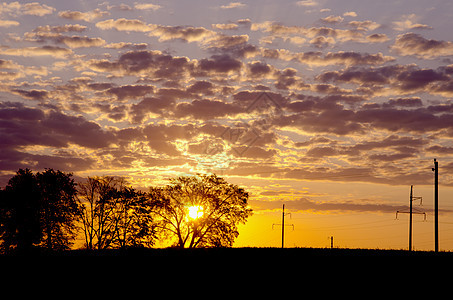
{"points": [[195, 212]]}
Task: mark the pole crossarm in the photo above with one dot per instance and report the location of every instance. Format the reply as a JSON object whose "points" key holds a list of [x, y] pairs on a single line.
{"points": [[281, 225], [413, 212], [410, 212]]}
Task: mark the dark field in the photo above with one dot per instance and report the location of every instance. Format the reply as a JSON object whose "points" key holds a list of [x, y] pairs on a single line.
{"points": [[252, 253]]}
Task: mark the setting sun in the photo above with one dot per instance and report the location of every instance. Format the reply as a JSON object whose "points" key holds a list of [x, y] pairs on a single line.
{"points": [[195, 212]]}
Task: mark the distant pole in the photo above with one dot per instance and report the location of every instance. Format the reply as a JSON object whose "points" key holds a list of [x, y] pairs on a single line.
{"points": [[411, 212], [331, 242], [410, 220], [436, 205], [283, 227]]}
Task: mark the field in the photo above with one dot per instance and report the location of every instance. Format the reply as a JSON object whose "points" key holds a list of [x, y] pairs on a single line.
{"points": [[243, 253]]}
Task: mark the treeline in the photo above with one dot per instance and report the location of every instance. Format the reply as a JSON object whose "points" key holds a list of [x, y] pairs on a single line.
{"points": [[49, 210]]}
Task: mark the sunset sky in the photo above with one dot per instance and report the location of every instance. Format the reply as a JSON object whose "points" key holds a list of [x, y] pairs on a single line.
{"points": [[332, 107]]}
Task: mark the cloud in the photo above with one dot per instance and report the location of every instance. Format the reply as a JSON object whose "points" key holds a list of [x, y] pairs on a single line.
{"points": [[47, 33], [233, 5], [206, 109], [305, 204], [123, 24], [229, 26], [220, 64], [23, 126], [377, 38], [33, 94], [332, 35], [364, 25], [331, 58], [53, 51], [130, 91], [88, 16], [306, 3], [350, 14], [8, 23], [332, 19], [81, 41], [32, 8], [151, 63], [407, 22], [156, 105], [415, 44], [394, 79], [185, 33], [60, 28], [147, 6]]}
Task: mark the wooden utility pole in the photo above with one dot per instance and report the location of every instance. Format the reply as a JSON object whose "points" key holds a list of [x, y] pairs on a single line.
{"points": [[411, 211], [283, 225], [436, 205], [410, 220]]}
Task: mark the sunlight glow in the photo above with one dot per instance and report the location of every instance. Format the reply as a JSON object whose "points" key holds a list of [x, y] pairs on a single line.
{"points": [[195, 212]]}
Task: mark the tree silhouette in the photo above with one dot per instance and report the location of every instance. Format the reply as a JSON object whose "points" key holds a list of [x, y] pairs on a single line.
{"points": [[94, 196], [219, 207], [59, 210], [113, 215], [38, 210], [19, 212], [134, 225]]}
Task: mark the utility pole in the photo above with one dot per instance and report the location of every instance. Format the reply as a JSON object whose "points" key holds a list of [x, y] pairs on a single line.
{"points": [[331, 241], [411, 198], [283, 225], [436, 205]]}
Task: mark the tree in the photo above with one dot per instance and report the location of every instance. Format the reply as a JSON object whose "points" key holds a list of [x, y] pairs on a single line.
{"points": [[59, 210], [113, 215], [38, 210], [133, 220], [19, 212], [200, 211], [94, 196]]}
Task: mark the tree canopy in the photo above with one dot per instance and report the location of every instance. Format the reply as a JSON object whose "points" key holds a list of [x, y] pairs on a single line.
{"points": [[201, 211], [38, 210]]}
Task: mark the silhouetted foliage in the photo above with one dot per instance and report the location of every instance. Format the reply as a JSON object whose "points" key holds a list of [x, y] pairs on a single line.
{"points": [[19, 212], [114, 216], [59, 210], [223, 207], [38, 210]]}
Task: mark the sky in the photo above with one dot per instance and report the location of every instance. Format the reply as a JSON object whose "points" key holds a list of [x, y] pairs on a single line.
{"points": [[333, 108]]}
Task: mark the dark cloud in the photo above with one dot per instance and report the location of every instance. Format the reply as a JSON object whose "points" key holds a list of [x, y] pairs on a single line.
{"points": [[206, 109], [150, 105], [130, 91], [32, 94], [415, 44], [305, 204], [220, 64], [317, 58], [154, 64], [185, 33], [23, 126], [401, 78]]}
